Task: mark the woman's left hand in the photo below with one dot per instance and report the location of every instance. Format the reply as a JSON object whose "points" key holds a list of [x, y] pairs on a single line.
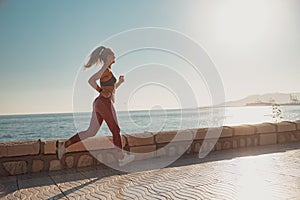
{"points": [[121, 79]]}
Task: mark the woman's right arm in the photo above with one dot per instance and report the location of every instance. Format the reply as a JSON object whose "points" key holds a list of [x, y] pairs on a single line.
{"points": [[97, 76]]}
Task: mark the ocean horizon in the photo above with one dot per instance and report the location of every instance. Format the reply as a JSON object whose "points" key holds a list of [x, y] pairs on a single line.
{"points": [[17, 127]]}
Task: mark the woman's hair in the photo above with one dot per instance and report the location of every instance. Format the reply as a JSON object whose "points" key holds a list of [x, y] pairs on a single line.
{"points": [[98, 56]]}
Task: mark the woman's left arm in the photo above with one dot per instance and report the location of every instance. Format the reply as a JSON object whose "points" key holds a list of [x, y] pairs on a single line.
{"points": [[121, 80]]}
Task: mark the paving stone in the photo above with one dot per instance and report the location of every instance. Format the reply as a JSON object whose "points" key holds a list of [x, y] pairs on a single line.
{"points": [[9, 188], [38, 187]]}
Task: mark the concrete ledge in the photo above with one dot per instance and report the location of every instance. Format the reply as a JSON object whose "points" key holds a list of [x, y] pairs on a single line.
{"points": [[243, 130], [37, 156], [200, 133], [144, 152], [219, 132], [298, 124], [94, 143], [174, 136], [23, 148], [265, 128], [48, 146], [286, 126], [138, 139]]}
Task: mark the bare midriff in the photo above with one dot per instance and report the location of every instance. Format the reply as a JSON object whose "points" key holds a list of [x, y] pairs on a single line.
{"points": [[107, 91]]}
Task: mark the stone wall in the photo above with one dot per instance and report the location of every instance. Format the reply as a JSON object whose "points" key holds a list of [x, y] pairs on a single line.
{"points": [[36, 156]]}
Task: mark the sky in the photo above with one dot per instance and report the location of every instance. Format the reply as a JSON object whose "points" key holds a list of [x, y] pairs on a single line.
{"points": [[253, 44]]}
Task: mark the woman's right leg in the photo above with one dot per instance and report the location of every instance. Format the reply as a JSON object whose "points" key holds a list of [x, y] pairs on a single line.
{"points": [[95, 124]]}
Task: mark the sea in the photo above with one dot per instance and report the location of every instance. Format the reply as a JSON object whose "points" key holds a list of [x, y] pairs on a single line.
{"points": [[64, 125]]}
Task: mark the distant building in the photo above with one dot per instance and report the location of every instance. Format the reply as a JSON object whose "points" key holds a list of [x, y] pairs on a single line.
{"points": [[293, 100]]}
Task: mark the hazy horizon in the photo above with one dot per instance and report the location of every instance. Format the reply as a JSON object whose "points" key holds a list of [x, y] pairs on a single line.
{"points": [[254, 44], [72, 112]]}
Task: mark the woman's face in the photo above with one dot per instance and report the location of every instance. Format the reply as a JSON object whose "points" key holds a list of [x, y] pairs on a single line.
{"points": [[110, 58]]}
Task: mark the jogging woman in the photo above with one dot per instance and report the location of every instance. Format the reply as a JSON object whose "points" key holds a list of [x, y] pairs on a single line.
{"points": [[103, 108]]}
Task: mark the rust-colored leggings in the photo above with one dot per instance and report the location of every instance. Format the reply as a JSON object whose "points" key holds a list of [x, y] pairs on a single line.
{"points": [[103, 109]]}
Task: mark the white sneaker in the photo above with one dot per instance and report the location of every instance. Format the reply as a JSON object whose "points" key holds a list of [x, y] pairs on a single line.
{"points": [[61, 149], [127, 159]]}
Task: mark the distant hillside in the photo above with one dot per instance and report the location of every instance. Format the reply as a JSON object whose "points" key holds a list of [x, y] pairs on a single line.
{"points": [[279, 98]]}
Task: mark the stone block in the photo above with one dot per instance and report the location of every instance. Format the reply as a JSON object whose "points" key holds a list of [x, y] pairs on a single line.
{"points": [[189, 150], [218, 146], [69, 161], [286, 126], [144, 152], [49, 146], [227, 145], [3, 150], [15, 167], [219, 132], [23, 148], [94, 143], [255, 141], [265, 128], [234, 144], [100, 158], [55, 165], [298, 124], [110, 158], [183, 147], [249, 142], [268, 138], [283, 138], [172, 150], [37, 165], [208, 145], [200, 133], [174, 136], [295, 137], [161, 150], [139, 139], [242, 142], [197, 146], [205, 147], [85, 161], [243, 130]]}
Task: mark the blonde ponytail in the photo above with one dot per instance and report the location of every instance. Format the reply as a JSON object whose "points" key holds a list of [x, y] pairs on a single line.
{"points": [[96, 57]]}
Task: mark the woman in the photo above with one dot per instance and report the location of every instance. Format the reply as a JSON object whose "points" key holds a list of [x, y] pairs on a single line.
{"points": [[103, 108]]}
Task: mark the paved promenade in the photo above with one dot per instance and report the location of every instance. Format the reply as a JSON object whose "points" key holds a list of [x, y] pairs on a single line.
{"points": [[266, 172]]}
